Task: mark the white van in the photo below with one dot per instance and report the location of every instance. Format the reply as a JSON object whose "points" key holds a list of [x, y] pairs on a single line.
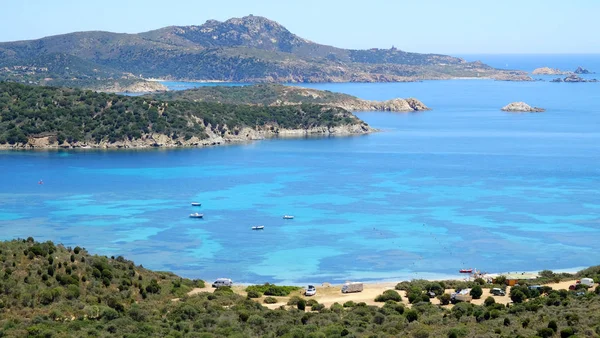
{"points": [[587, 282], [352, 287], [222, 282]]}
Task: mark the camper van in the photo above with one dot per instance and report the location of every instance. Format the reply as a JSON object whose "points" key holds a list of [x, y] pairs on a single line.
{"points": [[352, 287], [222, 282], [589, 282]]}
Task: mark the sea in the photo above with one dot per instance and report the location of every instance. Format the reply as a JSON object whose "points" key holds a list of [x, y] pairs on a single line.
{"points": [[464, 185]]}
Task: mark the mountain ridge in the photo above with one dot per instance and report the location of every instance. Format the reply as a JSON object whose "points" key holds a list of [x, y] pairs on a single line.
{"points": [[247, 49]]}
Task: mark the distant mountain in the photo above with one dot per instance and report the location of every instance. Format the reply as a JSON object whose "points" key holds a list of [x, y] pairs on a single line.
{"points": [[248, 49]]}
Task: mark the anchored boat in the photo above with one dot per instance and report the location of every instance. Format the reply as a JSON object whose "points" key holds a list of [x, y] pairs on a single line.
{"points": [[258, 227], [196, 215]]}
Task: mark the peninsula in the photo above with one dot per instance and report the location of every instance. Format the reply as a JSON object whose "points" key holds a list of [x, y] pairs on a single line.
{"points": [[247, 49], [52, 290], [280, 95], [48, 117]]}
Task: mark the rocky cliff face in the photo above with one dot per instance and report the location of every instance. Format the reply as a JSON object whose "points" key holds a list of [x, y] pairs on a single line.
{"points": [[395, 105], [227, 136], [522, 107]]}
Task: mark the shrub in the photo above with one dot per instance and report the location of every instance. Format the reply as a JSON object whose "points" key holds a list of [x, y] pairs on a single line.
{"points": [[389, 295], [270, 300], [567, 332], [489, 301], [349, 304], [445, 299], [253, 294], [301, 305], [517, 296], [317, 307], [294, 300], [506, 322], [552, 325], [311, 302], [476, 292], [411, 315], [272, 289]]}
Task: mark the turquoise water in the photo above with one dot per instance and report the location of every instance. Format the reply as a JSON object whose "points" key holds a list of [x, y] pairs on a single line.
{"points": [[463, 185]]}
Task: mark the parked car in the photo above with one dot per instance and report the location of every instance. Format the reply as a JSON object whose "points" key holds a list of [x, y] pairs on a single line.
{"points": [[310, 291], [222, 282], [497, 292], [572, 287]]}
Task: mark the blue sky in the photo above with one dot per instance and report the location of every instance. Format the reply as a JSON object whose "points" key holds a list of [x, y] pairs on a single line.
{"points": [[453, 27]]}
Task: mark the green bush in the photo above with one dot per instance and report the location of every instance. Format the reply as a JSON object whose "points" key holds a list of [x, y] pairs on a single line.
{"points": [[389, 295], [272, 290], [411, 315], [301, 305], [445, 299], [489, 301], [552, 325], [294, 300], [270, 300], [349, 304], [253, 294], [476, 292], [567, 332]]}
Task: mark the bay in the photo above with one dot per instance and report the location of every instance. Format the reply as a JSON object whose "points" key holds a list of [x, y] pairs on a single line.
{"points": [[464, 185]]}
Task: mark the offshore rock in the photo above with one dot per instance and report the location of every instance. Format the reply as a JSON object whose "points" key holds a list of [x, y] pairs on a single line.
{"points": [[522, 107]]}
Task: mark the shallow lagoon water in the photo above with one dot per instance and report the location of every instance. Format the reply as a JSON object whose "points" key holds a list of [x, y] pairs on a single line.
{"points": [[464, 185]]}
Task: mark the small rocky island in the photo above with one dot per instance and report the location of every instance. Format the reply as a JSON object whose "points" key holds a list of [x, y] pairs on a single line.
{"points": [[573, 78], [581, 70], [522, 107], [550, 71]]}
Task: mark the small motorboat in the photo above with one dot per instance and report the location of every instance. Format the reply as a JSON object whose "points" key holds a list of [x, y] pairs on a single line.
{"points": [[196, 204], [288, 217], [465, 270], [196, 215], [258, 227]]}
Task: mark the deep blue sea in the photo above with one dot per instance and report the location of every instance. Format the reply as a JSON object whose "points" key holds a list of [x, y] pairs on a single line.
{"points": [[464, 185]]}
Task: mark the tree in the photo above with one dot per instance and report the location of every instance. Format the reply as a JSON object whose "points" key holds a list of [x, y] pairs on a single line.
{"points": [[489, 301], [445, 299], [517, 296], [411, 315], [476, 292]]}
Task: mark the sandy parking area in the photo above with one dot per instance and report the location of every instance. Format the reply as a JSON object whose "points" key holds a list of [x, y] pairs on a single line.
{"points": [[330, 294]]}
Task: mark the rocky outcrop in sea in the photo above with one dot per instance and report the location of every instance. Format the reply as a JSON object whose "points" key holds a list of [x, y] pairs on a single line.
{"points": [[581, 70], [549, 71], [573, 78], [522, 107]]}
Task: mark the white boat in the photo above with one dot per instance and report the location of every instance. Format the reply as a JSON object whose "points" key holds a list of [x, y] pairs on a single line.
{"points": [[288, 217], [258, 227], [196, 215], [196, 204]]}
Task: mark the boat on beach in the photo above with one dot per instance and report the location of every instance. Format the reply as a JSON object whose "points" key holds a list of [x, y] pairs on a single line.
{"points": [[288, 217], [258, 227], [196, 215], [196, 204]]}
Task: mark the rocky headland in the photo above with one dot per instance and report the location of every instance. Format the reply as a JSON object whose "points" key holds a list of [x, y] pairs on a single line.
{"points": [[522, 107], [573, 78]]}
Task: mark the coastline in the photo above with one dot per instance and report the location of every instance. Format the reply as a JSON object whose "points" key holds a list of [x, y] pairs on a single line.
{"points": [[160, 141]]}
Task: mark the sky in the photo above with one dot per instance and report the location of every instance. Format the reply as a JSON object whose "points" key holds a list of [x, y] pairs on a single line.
{"points": [[426, 26]]}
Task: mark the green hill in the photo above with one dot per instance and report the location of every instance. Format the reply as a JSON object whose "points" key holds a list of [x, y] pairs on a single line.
{"points": [[280, 95], [248, 49], [49, 290], [48, 116]]}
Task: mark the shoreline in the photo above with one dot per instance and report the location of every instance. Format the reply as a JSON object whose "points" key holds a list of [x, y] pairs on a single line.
{"points": [[210, 142]]}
